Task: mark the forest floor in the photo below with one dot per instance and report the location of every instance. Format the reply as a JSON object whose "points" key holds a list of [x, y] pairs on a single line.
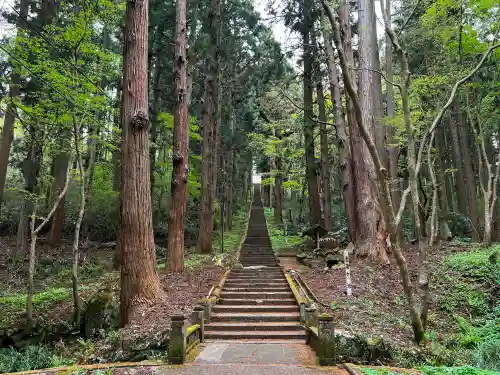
{"points": [[462, 309], [53, 306]]}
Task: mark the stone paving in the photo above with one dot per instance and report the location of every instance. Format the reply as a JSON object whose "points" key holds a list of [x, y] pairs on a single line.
{"points": [[256, 353]]}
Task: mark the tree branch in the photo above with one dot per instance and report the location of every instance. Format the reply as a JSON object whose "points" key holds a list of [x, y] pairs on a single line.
{"points": [[380, 74], [302, 109], [409, 17]]}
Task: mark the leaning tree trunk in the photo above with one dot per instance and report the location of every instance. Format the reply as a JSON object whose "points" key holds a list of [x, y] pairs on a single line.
{"points": [[311, 168], [139, 279]]}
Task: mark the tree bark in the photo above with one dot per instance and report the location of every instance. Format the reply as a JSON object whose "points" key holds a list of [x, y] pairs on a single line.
{"points": [[369, 242], [175, 241], [30, 169], [60, 169], [469, 173], [10, 114], [325, 162], [139, 279], [345, 165], [155, 114], [77, 303], [211, 132], [459, 173], [311, 167], [392, 141], [444, 228]]}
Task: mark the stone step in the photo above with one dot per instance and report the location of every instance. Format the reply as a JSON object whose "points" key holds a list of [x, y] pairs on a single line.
{"points": [[254, 279], [256, 301], [255, 335], [255, 308], [256, 317], [256, 295], [254, 326], [250, 288], [263, 263], [243, 284]]}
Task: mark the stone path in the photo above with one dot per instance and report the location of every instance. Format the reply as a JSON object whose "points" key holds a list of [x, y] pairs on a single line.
{"points": [[256, 353], [256, 301]]}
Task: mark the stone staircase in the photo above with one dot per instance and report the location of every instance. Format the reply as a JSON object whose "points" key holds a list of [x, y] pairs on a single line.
{"points": [[256, 303]]}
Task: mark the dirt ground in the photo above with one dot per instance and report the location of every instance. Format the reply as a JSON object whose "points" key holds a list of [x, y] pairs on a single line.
{"points": [[53, 276], [377, 307]]}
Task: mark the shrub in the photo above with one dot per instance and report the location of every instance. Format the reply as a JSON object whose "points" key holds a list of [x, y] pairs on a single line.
{"points": [[43, 299], [463, 370], [474, 263], [30, 358], [487, 354]]}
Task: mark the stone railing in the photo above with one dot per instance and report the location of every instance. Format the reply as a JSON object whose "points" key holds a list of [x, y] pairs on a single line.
{"points": [[320, 334], [320, 331], [184, 337]]}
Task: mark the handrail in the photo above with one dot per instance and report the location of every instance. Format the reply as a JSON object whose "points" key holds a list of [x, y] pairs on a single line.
{"points": [[308, 292]]}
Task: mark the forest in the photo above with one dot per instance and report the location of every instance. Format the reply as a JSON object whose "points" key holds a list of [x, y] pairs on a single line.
{"points": [[132, 133]]}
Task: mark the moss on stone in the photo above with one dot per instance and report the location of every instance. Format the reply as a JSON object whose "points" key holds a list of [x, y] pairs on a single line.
{"points": [[192, 328]]}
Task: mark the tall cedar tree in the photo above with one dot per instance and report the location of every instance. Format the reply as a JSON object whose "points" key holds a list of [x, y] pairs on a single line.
{"points": [[139, 279], [311, 167], [175, 242]]}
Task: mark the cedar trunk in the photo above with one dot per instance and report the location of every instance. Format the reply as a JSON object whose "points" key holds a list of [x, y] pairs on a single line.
{"points": [[325, 164], [369, 243], [175, 241], [392, 141], [139, 279], [311, 168], [211, 132], [345, 165], [10, 113]]}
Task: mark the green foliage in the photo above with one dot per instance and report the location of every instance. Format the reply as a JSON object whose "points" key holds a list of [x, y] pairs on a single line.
{"points": [[30, 358], [277, 233], [487, 354], [463, 370], [379, 371], [42, 300], [474, 263]]}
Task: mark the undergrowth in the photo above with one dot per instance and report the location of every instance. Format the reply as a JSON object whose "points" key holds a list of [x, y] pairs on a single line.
{"points": [[277, 233], [31, 358], [42, 300]]}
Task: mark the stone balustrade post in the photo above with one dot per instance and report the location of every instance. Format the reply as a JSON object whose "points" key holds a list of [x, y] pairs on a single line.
{"points": [[177, 345], [326, 336], [207, 306], [310, 316], [302, 310], [199, 318]]}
